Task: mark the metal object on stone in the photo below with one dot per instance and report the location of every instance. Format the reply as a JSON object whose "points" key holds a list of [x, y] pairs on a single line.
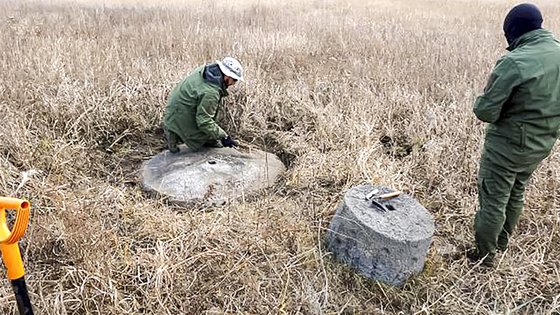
{"points": [[211, 176], [388, 246]]}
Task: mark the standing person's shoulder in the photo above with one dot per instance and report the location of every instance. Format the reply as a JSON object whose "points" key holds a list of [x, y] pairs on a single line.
{"points": [[506, 65], [556, 41]]}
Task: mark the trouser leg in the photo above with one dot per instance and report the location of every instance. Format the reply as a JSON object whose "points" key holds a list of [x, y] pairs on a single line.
{"points": [[514, 207], [172, 140], [494, 189]]}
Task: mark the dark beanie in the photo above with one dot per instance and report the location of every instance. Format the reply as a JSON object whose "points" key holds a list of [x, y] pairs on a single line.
{"points": [[521, 19]]}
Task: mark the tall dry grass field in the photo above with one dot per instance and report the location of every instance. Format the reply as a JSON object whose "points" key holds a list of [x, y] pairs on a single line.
{"points": [[83, 87]]}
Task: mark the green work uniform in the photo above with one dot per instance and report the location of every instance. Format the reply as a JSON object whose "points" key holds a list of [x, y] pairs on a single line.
{"points": [[192, 108], [521, 103]]}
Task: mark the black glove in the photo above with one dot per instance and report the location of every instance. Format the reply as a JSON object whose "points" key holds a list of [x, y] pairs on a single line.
{"points": [[229, 142]]}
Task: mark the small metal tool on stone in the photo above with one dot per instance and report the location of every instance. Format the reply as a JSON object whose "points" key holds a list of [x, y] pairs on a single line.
{"points": [[380, 206], [372, 193], [378, 200]]}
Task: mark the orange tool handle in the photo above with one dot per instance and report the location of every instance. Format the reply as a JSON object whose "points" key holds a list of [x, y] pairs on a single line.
{"points": [[12, 260], [9, 238], [390, 195]]}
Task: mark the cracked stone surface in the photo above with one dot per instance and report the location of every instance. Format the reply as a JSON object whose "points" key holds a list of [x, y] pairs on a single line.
{"points": [[212, 176], [389, 246]]}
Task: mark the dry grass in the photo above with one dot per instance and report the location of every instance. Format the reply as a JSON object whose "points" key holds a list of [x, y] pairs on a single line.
{"points": [[82, 94]]}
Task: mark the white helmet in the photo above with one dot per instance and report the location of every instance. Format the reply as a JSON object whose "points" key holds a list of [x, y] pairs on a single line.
{"points": [[231, 67]]}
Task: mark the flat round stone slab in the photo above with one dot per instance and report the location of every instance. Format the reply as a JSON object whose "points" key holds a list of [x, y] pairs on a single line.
{"points": [[385, 245], [212, 176]]}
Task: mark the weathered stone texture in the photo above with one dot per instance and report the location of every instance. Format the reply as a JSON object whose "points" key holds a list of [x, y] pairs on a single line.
{"points": [[212, 176], [387, 246]]}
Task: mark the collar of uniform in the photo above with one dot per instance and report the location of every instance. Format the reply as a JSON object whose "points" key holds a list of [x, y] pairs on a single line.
{"points": [[211, 73], [529, 37]]}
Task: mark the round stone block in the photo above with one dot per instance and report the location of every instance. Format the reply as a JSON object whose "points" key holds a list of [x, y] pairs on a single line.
{"points": [[386, 245], [212, 176]]}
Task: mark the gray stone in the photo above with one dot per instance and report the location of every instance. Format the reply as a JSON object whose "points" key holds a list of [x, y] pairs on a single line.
{"points": [[212, 176], [388, 246]]}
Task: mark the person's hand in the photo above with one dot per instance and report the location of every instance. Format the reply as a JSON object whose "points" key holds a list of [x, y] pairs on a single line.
{"points": [[229, 142]]}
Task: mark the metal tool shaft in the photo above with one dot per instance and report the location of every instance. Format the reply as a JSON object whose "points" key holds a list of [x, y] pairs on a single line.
{"points": [[22, 296], [379, 205]]}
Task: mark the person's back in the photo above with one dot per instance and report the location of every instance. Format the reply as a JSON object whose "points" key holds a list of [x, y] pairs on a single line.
{"points": [[532, 112], [530, 117], [536, 55], [183, 104]]}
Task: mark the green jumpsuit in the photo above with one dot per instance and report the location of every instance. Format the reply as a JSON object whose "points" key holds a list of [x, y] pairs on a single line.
{"points": [[521, 103], [192, 107]]}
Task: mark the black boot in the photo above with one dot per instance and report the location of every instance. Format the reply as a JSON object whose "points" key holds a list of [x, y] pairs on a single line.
{"points": [[475, 256], [213, 144]]}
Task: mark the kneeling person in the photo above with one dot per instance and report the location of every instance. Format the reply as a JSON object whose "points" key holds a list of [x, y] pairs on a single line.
{"points": [[192, 107]]}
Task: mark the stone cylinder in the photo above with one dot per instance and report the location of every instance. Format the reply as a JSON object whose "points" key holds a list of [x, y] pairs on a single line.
{"points": [[388, 246]]}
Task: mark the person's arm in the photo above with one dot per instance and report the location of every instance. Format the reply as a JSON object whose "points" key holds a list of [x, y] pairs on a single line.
{"points": [[205, 116], [504, 78]]}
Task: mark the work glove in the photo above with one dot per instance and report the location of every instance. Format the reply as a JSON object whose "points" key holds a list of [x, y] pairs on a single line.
{"points": [[229, 142]]}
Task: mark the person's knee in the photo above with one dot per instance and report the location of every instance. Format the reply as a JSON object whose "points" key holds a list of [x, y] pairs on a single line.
{"points": [[492, 216], [516, 200], [488, 225]]}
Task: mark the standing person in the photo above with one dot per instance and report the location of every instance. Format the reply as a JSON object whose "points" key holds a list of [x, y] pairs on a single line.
{"points": [[521, 103], [192, 107]]}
